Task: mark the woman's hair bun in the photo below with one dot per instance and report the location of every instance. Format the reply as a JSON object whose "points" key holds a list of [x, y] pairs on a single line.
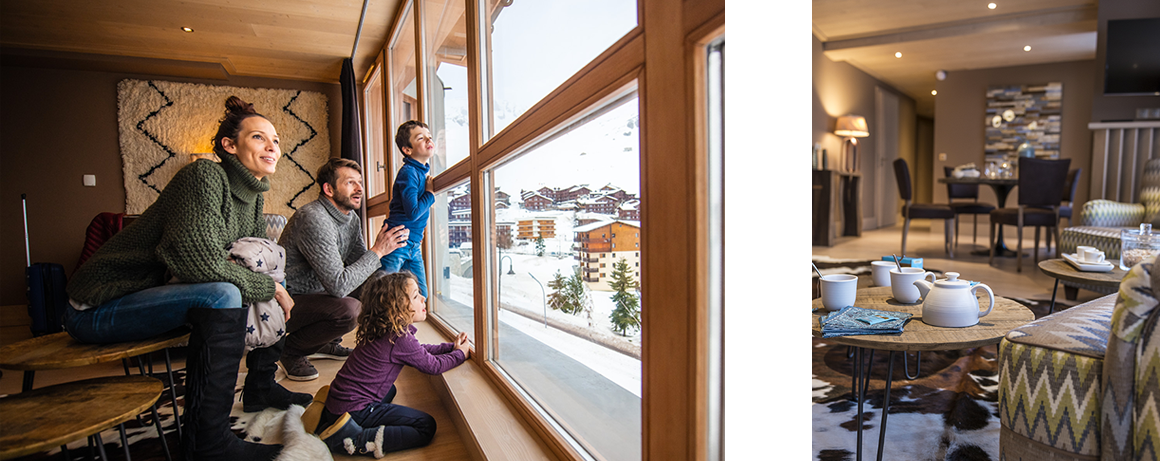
{"points": [[237, 105]]}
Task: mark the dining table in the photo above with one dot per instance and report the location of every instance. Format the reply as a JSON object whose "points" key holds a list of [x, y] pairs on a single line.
{"points": [[1002, 188]]}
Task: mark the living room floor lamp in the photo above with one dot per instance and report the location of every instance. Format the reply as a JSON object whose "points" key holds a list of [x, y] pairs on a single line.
{"points": [[851, 127]]}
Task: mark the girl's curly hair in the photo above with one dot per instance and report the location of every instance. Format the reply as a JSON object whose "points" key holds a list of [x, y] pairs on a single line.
{"points": [[386, 310]]}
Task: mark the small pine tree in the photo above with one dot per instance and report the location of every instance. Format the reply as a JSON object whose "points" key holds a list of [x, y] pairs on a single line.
{"points": [[568, 294], [539, 246], [578, 295], [558, 298], [626, 315]]}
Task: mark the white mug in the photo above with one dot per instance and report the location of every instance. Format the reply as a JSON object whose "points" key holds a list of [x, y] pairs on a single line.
{"points": [[902, 283], [880, 272], [1090, 255], [838, 291]]}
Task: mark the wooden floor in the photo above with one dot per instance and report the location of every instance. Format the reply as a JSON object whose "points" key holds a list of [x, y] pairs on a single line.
{"points": [[415, 389]]}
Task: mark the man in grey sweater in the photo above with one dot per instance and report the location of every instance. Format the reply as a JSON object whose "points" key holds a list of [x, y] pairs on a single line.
{"points": [[326, 262]]}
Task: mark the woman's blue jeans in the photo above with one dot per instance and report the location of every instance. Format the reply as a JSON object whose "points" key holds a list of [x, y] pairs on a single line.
{"points": [[148, 312]]}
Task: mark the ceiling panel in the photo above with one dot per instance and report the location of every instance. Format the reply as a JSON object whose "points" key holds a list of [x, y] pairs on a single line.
{"points": [[951, 35], [297, 39]]}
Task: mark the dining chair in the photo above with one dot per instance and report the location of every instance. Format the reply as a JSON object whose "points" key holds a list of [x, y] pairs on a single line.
{"points": [[1067, 202], [922, 210], [973, 207], [1069, 188], [1041, 184]]}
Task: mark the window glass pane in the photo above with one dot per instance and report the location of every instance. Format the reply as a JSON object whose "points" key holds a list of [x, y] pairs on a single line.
{"points": [[561, 336], [451, 292], [535, 46], [715, 105], [403, 91], [445, 26], [376, 180]]}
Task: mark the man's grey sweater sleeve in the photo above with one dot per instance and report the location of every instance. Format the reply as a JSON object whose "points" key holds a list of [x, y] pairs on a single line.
{"points": [[317, 239]]}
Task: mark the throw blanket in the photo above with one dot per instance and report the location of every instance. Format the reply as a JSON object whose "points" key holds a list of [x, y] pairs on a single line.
{"points": [[266, 323]]}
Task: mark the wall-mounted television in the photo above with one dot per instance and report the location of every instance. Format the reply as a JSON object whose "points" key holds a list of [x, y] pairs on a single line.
{"points": [[1133, 57]]}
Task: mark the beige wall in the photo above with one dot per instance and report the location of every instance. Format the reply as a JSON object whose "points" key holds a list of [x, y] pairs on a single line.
{"points": [[1118, 107], [961, 104], [56, 126], [841, 89]]}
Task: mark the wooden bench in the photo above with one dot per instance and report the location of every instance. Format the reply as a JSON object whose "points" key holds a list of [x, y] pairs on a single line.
{"points": [[38, 420]]}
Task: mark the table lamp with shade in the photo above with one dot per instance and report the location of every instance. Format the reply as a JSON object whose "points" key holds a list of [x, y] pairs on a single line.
{"points": [[851, 127]]}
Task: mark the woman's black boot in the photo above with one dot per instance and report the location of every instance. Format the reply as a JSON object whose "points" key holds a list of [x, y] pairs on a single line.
{"points": [[261, 391], [216, 345]]}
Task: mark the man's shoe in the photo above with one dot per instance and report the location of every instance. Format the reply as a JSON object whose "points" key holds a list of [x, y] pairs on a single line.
{"points": [[333, 351], [299, 369]]}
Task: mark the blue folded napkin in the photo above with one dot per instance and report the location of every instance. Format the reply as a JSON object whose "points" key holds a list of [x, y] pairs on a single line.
{"points": [[853, 320]]}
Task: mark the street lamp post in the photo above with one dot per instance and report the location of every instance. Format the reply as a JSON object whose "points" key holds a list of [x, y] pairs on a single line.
{"points": [[545, 293], [511, 271]]}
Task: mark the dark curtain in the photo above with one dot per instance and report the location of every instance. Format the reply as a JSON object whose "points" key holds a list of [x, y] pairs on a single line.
{"points": [[351, 140]]}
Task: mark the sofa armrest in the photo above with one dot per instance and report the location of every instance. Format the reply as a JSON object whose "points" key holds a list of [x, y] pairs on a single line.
{"points": [[1107, 213], [1128, 403]]}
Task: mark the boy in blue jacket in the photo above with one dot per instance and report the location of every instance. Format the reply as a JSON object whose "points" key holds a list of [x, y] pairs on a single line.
{"points": [[411, 199]]}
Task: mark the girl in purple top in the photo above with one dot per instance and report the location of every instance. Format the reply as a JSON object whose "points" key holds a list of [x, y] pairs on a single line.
{"points": [[358, 417]]}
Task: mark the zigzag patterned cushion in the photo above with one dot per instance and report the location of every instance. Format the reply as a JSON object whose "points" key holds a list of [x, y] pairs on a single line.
{"points": [[1050, 378], [1106, 239], [1129, 422]]}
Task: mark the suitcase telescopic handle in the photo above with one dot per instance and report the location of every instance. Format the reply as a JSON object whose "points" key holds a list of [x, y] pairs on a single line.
{"points": [[24, 208]]}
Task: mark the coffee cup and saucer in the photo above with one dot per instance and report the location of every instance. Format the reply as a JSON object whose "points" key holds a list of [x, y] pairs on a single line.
{"points": [[1088, 259]]}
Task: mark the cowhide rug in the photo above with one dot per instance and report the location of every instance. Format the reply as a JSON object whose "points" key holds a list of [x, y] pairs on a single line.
{"points": [[270, 426], [947, 413]]}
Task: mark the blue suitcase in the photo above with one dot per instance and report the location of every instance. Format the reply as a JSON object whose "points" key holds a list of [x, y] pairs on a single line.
{"points": [[47, 300]]}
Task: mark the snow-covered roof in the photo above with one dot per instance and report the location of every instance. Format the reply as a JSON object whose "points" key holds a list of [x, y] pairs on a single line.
{"points": [[630, 204], [592, 226], [599, 224]]}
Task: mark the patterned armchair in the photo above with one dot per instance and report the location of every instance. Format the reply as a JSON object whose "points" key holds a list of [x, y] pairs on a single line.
{"points": [[1101, 221], [1084, 383]]}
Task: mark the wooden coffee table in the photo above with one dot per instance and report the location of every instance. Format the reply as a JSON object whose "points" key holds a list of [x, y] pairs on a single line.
{"points": [[1063, 270], [43, 418], [917, 337]]}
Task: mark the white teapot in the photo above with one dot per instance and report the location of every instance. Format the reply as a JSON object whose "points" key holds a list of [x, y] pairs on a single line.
{"points": [[951, 302]]}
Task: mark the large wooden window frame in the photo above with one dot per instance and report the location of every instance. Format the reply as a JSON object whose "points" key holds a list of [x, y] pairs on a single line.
{"points": [[665, 56]]}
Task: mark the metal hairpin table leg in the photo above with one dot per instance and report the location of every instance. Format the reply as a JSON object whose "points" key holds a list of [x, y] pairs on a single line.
{"points": [[124, 442], [853, 378], [173, 393], [1053, 290], [156, 416], [858, 375], [917, 365], [885, 404]]}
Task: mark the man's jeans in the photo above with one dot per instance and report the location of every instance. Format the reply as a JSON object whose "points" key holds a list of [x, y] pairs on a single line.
{"points": [[148, 312], [410, 259]]}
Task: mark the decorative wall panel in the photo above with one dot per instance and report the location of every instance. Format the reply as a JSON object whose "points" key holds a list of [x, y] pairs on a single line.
{"points": [[163, 123], [1024, 113]]}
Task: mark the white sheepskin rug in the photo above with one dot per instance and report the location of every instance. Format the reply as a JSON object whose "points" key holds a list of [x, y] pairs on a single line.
{"points": [[273, 426], [162, 123]]}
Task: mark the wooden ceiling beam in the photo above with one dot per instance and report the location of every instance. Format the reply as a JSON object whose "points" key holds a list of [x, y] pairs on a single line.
{"points": [[989, 25]]}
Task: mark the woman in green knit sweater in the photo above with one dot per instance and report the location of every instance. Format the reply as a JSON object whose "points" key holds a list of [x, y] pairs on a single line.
{"points": [[121, 294]]}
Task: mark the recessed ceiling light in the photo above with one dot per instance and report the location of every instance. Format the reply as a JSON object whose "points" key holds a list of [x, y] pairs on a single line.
{"points": [[1027, 48], [898, 54], [991, 6], [933, 92], [187, 29]]}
